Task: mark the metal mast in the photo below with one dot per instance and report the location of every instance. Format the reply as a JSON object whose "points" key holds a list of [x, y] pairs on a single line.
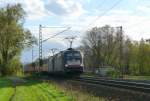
{"points": [[41, 41], [40, 46]]}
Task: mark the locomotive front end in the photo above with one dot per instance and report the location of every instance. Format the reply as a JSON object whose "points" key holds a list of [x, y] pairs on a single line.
{"points": [[73, 61]]}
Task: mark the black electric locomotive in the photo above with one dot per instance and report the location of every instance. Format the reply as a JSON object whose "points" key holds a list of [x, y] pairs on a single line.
{"points": [[66, 61]]}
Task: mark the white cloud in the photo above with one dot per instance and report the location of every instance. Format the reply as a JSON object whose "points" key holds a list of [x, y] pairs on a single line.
{"points": [[9, 1], [135, 26], [35, 9], [144, 8], [71, 12], [65, 8]]}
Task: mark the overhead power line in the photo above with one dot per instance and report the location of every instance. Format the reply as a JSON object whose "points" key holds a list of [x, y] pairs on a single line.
{"points": [[99, 5], [101, 15], [137, 24], [54, 26], [41, 42], [56, 34]]}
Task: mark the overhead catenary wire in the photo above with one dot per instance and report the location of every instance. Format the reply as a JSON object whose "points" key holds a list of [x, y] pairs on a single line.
{"points": [[102, 14], [136, 24], [56, 34], [41, 42]]}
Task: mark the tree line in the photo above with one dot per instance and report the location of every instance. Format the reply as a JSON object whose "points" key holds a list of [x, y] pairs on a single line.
{"points": [[108, 46]]}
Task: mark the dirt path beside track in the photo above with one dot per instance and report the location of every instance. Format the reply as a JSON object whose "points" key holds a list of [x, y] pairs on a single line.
{"points": [[16, 81]]}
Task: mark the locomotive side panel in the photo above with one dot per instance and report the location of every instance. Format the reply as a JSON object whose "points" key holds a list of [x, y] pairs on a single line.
{"points": [[58, 63], [50, 64], [44, 68]]}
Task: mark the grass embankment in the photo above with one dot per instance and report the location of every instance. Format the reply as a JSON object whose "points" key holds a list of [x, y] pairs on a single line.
{"points": [[35, 91], [86, 92], [31, 90], [78, 93], [124, 77], [137, 77]]}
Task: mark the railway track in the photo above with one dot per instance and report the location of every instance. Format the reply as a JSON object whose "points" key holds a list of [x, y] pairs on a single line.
{"points": [[124, 84]]}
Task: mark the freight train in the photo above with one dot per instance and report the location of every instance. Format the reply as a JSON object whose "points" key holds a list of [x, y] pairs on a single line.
{"points": [[67, 61]]}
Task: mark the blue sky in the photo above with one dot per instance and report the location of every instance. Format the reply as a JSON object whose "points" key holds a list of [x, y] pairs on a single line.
{"points": [[133, 15]]}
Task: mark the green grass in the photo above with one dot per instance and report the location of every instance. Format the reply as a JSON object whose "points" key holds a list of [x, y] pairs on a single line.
{"points": [[35, 90], [39, 92], [137, 77], [31, 90]]}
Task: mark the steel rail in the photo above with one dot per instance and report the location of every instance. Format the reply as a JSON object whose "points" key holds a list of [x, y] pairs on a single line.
{"points": [[130, 85], [119, 81]]}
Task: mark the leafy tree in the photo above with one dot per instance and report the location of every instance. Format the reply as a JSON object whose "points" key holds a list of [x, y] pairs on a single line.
{"points": [[101, 45], [133, 64], [127, 54], [144, 57], [13, 37]]}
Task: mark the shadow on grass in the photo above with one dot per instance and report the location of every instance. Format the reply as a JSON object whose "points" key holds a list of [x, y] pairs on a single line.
{"points": [[31, 80], [6, 82]]}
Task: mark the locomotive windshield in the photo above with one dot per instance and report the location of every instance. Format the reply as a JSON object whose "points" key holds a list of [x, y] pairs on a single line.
{"points": [[73, 58]]}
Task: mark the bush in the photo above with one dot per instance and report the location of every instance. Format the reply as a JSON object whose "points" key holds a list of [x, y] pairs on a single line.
{"points": [[113, 73], [14, 67]]}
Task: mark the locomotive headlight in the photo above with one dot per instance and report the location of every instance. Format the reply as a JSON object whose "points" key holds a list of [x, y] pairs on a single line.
{"points": [[81, 64], [66, 65]]}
